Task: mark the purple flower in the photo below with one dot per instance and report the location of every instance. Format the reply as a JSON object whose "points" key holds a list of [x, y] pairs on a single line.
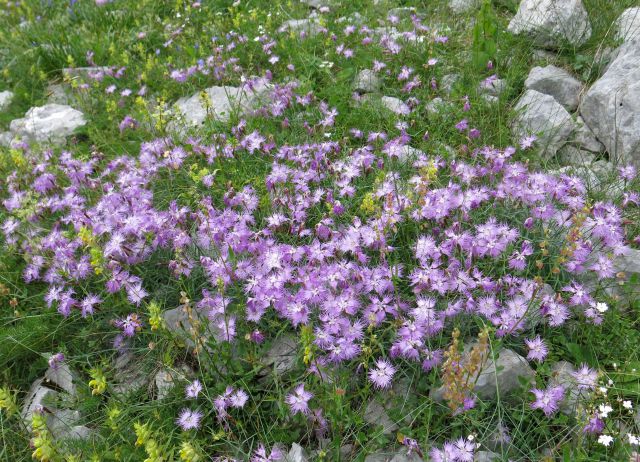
{"points": [[188, 419], [586, 378], [260, 455], [548, 400], [382, 375], [298, 401], [55, 360], [193, 389], [537, 349]]}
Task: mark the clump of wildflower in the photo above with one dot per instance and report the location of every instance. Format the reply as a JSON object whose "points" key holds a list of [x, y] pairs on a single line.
{"points": [[382, 374], [261, 454], [548, 400], [231, 398], [298, 400], [586, 378], [44, 446]]}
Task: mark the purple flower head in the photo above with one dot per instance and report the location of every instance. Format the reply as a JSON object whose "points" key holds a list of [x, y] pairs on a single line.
{"points": [[188, 419], [55, 360], [382, 374], [193, 389], [537, 349], [298, 400], [548, 400], [586, 378]]}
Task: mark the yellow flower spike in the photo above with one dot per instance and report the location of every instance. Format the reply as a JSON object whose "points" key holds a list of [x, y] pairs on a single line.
{"points": [[98, 382], [8, 401], [155, 319]]}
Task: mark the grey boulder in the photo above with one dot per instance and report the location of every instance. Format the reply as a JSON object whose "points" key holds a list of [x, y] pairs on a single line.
{"points": [[49, 123], [543, 116], [612, 104], [628, 25], [557, 82], [220, 103], [5, 99], [463, 6], [367, 81], [551, 23]]}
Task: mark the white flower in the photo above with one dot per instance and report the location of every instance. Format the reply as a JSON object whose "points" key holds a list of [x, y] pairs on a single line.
{"points": [[603, 390], [602, 307], [633, 440], [605, 440], [604, 409], [627, 405]]}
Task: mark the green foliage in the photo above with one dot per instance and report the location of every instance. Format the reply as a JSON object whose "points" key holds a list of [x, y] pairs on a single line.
{"points": [[485, 37]]}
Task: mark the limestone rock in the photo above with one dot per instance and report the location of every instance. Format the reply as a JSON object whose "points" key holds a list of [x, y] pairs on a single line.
{"points": [[612, 104], [62, 377], [543, 116], [485, 456], [492, 86], [129, 377], [48, 123], [5, 99], [282, 355], [628, 25], [571, 155], [448, 81], [308, 26], [377, 410], [223, 100], [367, 81], [296, 454], [463, 6], [39, 397], [557, 82], [391, 455], [63, 425], [584, 138], [550, 23], [395, 105], [435, 105]]}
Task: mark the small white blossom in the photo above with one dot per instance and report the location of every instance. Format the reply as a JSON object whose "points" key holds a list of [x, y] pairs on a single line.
{"points": [[633, 440], [627, 405], [602, 307], [605, 440], [604, 410]]}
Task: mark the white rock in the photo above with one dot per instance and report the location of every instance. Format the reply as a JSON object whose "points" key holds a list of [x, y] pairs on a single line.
{"points": [[584, 138], [39, 397], [492, 87], [543, 116], [128, 377], [296, 454], [223, 102], [92, 72], [282, 355], [48, 123], [57, 94], [367, 81], [63, 425], [485, 456], [570, 155], [435, 105], [550, 23], [462, 6], [402, 12], [409, 153], [376, 412], [5, 99], [62, 377], [628, 25], [557, 82], [395, 105], [612, 104], [447, 82], [5, 139], [309, 26]]}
